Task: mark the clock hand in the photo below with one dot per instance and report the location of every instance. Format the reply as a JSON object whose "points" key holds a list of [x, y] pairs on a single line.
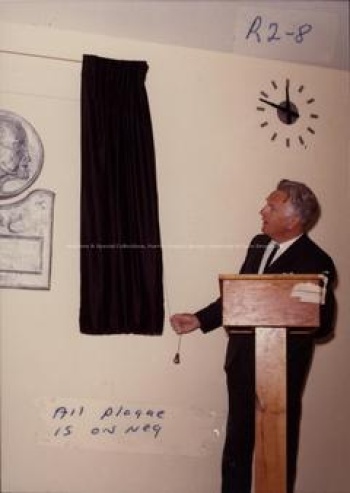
{"points": [[287, 91], [274, 105], [285, 109]]}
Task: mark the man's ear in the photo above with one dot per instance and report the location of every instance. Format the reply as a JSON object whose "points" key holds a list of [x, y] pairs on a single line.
{"points": [[294, 223]]}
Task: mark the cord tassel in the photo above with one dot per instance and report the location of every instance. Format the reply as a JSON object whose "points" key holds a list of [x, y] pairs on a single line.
{"points": [[177, 359]]}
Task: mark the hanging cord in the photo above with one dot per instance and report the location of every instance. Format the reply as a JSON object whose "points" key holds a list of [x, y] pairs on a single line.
{"points": [[176, 359]]}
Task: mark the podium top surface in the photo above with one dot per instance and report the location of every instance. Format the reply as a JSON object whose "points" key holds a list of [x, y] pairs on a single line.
{"points": [[281, 277]]}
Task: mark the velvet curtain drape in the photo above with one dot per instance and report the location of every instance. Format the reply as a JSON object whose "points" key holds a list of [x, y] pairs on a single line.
{"points": [[121, 277]]}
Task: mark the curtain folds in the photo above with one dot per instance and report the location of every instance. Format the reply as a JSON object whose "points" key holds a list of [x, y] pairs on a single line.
{"points": [[121, 272]]}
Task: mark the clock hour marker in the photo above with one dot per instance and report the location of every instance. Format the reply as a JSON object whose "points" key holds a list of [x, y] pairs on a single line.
{"points": [[288, 142], [264, 94], [300, 89], [260, 108], [313, 115], [309, 101], [274, 85], [274, 136], [301, 140], [311, 130], [264, 124]]}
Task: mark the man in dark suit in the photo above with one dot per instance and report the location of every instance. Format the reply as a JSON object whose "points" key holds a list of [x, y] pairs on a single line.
{"points": [[289, 213]]}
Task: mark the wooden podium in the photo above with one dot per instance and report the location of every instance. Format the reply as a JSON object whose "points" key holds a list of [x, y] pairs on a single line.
{"points": [[270, 304]]}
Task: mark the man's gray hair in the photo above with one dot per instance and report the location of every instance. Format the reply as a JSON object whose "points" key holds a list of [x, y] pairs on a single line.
{"points": [[303, 200]]}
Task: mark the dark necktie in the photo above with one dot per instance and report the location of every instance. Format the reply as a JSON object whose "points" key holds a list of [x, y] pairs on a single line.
{"points": [[271, 256]]}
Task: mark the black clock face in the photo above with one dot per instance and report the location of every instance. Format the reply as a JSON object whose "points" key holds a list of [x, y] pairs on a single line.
{"points": [[288, 113]]}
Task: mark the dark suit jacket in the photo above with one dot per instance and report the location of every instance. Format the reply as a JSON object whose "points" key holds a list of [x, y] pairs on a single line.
{"points": [[302, 257]]}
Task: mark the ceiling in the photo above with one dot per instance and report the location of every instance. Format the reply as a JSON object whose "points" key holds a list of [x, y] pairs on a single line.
{"points": [[208, 25]]}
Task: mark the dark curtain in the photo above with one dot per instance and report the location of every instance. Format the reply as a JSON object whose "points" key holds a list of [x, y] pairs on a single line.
{"points": [[121, 258]]}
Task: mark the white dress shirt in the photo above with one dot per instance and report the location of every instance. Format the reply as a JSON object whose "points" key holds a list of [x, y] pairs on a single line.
{"points": [[282, 248]]}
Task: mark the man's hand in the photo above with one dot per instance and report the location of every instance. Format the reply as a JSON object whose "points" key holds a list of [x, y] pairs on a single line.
{"points": [[183, 323]]}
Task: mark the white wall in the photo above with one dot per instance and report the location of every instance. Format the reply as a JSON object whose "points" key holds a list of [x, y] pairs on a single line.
{"points": [[215, 166]]}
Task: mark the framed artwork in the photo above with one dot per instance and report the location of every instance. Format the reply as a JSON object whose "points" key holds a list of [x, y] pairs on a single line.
{"points": [[25, 224]]}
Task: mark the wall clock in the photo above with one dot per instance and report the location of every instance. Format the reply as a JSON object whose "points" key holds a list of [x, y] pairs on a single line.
{"points": [[288, 112]]}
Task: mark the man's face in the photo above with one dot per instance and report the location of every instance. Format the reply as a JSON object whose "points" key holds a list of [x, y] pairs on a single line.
{"points": [[9, 159], [14, 156], [279, 219]]}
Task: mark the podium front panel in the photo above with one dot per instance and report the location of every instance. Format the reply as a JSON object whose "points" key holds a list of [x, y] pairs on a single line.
{"points": [[271, 300]]}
